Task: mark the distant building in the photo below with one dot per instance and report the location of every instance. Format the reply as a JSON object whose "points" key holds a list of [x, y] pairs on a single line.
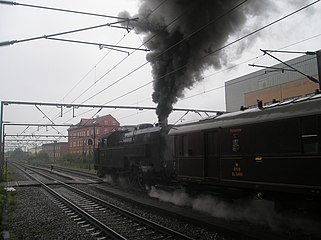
{"points": [[35, 150], [83, 137], [55, 150], [268, 84]]}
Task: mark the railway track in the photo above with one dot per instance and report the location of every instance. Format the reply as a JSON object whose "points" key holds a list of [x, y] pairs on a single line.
{"points": [[73, 172], [102, 219]]}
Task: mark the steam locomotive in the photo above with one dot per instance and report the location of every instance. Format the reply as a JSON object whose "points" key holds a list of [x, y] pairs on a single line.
{"points": [[141, 154], [268, 149]]}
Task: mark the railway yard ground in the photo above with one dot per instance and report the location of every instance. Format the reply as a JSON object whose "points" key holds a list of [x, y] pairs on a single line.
{"points": [[32, 212]]}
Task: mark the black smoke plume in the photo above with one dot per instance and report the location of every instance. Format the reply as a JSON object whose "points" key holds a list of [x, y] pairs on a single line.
{"points": [[181, 33]]}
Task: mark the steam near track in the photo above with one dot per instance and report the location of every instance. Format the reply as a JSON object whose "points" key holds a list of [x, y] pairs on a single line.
{"points": [[251, 210]]}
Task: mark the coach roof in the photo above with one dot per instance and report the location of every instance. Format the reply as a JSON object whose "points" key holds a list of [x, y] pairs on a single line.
{"points": [[294, 108]]}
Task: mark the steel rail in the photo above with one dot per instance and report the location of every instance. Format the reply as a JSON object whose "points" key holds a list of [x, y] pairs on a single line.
{"points": [[142, 220], [101, 226]]}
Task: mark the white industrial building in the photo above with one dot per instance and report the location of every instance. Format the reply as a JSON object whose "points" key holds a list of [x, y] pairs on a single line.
{"points": [[271, 83]]}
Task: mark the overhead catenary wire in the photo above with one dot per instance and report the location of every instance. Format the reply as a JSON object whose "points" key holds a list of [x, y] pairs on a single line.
{"points": [[208, 54], [291, 68], [93, 68], [216, 88], [96, 81], [100, 107], [60, 10], [234, 82], [248, 35], [166, 50], [121, 61], [217, 72], [48, 119], [99, 60], [5, 43], [227, 84], [136, 69], [100, 45], [175, 70]]}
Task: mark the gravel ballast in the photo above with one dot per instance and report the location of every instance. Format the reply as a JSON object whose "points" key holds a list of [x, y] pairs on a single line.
{"points": [[36, 216]]}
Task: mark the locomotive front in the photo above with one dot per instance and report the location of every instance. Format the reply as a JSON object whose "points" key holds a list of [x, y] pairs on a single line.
{"points": [[141, 154]]}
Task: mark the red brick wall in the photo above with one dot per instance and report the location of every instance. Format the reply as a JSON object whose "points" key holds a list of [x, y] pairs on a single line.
{"points": [[93, 129]]}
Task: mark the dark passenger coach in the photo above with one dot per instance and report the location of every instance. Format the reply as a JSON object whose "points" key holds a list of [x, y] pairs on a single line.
{"points": [[269, 149]]}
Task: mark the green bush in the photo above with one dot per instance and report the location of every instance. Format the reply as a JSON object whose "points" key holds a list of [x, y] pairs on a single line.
{"points": [[3, 200]]}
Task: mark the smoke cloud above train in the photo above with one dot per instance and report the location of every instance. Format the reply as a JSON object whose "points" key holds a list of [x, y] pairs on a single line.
{"points": [[185, 38]]}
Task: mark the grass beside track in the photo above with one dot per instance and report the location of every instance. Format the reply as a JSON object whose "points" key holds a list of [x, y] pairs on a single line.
{"points": [[7, 204]]}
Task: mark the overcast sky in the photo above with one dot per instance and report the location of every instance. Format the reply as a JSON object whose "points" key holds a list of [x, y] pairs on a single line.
{"points": [[53, 71]]}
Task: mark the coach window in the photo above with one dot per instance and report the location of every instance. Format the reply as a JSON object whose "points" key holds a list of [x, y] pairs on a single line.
{"points": [[309, 135]]}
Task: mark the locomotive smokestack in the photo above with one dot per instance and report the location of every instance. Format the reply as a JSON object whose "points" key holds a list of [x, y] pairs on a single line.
{"points": [[187, 37], [163, 122]]}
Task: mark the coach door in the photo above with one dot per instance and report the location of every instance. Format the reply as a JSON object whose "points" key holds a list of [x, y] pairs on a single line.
{"points": [[211, 155]]}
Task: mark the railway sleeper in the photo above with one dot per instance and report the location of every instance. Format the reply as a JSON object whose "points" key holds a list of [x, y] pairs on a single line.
{"points": [[157, 237], [81, 222], [148, 233], [95, 233], [101, 238], [120, 219], [85, 225], [141, 229], [90, 229]]}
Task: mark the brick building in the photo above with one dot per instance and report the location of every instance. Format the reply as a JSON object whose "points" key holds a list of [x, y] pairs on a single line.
{"points": [[84, 136], [55, 150], [267, 85], [36, 149]]}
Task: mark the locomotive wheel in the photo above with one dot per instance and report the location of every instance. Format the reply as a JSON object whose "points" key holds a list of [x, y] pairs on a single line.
{"points": [[100, 172], [136, 180]]}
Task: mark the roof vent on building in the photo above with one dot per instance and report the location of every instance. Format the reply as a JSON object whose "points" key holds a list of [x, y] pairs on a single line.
{"points": [[243, 108], [259, 104], [275, 101]]}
